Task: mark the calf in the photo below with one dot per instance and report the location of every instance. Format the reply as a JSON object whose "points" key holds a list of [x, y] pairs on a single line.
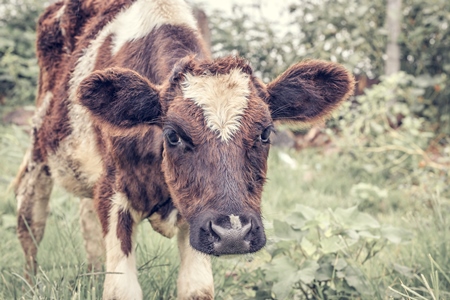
{"points": [[133, 113]]}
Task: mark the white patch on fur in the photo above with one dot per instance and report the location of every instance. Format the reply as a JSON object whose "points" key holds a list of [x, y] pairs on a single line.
{"points": [[60, 12], [168, 226], [223, 99], [58, 17], [41, 111], [235, 222], [122, 202], [77, 164], [195, 279], [145, 15], [122, 280]]}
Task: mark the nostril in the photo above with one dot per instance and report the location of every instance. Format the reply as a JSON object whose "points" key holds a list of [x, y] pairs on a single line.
{"points": [[213, 233], [218, 230], [247, 230]]}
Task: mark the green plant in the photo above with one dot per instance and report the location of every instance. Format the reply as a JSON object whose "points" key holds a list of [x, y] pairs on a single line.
{"points": [[321, 254], [18, 64], [388, 136]]}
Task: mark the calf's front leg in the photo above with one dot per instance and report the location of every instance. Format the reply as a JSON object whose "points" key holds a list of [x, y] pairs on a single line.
{"points": [[195, 279], [121, 281]]}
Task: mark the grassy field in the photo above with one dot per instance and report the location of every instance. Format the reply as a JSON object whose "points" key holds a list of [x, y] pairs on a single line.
{"points": [[416, 265]]}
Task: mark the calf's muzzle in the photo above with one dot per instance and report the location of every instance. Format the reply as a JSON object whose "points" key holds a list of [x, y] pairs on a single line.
{"points": [[227, 234]]}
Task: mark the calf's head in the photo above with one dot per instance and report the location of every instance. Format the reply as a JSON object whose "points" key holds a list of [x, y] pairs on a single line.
{"points": [[217, 118]]}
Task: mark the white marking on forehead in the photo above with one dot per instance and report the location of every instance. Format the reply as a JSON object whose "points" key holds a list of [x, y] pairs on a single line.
{"points": [[235, 222], [223, 99], [145, 15]]}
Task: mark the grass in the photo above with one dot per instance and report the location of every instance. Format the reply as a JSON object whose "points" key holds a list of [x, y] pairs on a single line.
{"points": [[419, 269]]}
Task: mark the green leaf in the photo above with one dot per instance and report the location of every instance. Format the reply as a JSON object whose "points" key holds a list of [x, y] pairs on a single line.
{"points": [[307, 212], [355, 278], [340, 274], [332, 245], [283, 230], [283, 272], [351, 218], [308, 247], [396, 235], [280, 268], [279, 247], [282, 288], [339, 264], [325, 272], [296, 220], [368, 235], [307, 272]]}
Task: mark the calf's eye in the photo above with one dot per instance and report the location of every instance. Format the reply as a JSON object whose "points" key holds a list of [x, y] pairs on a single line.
{"points": [[173, 138], [265, 135]]}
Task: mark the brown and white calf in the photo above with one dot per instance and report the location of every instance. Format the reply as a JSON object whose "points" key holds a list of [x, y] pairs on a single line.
{"points": [[133, 113]]}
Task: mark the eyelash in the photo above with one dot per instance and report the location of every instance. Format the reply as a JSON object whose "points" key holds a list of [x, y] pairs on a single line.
{"points": [[267, 132], [171, 135]]}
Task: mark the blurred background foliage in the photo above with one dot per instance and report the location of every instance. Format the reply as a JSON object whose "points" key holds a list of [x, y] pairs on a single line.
{"points": [[385, 156], [351, 32], [18, 64]]}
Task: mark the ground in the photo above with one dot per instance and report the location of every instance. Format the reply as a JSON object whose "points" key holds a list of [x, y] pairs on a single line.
{"points": [[327, 181]]}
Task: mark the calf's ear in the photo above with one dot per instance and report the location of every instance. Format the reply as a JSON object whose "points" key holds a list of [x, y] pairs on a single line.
{"points": [[309, 91], [120, 96]]}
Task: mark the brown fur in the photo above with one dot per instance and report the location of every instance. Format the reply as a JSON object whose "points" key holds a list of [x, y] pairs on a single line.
{"points": [[155, 55], [50, 49], [103, 192], [125, 231], [56, 126], [120, 96], [309, 91]]}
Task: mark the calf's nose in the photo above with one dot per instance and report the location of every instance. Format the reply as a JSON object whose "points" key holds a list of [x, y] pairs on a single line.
{"points": [[231, 240]]}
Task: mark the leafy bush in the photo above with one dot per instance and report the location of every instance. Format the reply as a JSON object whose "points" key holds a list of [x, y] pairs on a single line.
{"points": [[384, 134], [353, 32], [255, 39], [424, 46], [321, 254], [18, 64]]}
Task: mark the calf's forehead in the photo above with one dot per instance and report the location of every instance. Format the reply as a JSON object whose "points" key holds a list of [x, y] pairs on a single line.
{"points": [[226, 103]]}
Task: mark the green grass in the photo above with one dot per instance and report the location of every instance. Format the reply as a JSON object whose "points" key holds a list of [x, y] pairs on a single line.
{"points": [[317, 180]]}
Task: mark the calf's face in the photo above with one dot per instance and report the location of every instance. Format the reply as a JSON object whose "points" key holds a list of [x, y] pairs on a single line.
{"points": [[217, 119]]}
